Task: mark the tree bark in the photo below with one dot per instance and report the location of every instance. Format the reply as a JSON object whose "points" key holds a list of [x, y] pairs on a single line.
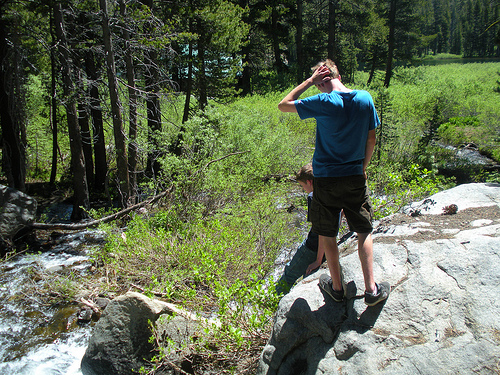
{"points": [[298, 42], [13, 148], [53, 95], [331, 49], [83, 122], [152, 102], [372, 69], [391, 41], [100, 162], [202, 78], [278, 62], [189, 83], [132, 98], [120, 145], [81, 195]]}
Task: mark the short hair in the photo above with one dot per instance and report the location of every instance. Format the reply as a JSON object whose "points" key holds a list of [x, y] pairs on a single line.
{"points": [[334, 71], [305, 173]]}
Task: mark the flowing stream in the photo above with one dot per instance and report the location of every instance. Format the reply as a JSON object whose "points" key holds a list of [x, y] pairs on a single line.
{"points": [[40, 338], [36, 337]]}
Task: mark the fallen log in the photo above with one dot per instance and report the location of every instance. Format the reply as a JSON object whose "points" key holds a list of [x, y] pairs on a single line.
{"points": [[94, 223]]}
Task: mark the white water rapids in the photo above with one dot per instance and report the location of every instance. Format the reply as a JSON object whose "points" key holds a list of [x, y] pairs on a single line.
{"points": [[35, 338]]}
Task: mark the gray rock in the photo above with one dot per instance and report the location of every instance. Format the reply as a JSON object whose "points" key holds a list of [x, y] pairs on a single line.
{"points": [[17, 211], [464, 196], [120, 341], [441, 316], [175, 333]]}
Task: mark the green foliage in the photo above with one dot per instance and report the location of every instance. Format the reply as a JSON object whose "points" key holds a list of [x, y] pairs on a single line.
{"points": [[424, 98], [394, 187], [39, 135], [460, 130], [234, 147], [197, 261], [442, 56], [211, 265]]}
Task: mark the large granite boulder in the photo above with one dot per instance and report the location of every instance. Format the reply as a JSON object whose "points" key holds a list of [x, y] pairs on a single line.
{"points": [[120, 343], [441, 317], [17, 210]]}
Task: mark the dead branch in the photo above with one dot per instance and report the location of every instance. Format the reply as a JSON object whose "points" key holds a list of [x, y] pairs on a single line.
{"points": [[94, 223], [90, 304], [222, 158], [117, 215]]}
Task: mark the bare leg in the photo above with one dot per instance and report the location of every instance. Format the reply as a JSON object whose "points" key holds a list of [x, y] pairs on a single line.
{"points": [[365, 253], [329, 244]]}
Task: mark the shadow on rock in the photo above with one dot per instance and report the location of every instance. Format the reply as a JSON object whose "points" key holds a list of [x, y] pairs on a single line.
{"points": [[306, 331]]}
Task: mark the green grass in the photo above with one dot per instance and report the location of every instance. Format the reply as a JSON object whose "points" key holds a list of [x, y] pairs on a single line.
{"points": [[214, 265], [442, 56]]}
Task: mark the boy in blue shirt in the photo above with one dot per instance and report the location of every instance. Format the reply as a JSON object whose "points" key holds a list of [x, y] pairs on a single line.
{"points": [[345, 139]]}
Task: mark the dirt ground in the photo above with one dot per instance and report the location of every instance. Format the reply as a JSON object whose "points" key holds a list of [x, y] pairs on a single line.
{"points": [[432, 227]]}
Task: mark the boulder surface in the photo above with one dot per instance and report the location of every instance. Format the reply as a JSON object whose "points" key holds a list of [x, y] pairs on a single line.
{"points": [[120, 343], [120, 340], [17, 211], [441, 316]]}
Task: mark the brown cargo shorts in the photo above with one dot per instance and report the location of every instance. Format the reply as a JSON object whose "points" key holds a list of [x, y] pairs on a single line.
{"points": [[333, 194]]}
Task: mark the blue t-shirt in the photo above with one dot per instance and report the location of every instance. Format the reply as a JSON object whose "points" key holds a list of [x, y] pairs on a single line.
{"points": [[343, 120]]}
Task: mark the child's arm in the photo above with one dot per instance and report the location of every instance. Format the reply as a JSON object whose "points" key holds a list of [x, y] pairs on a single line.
{"points": [[288, 103], [317, 263]]}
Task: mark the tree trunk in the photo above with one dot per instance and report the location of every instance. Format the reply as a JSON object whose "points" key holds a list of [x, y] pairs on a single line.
{"points": [[132, 98], [81, 195], [372, 70], [331, 49], [189, 83], [391, 42], [53, 95], [276, 42], [152, 103], [298, 41], [153, 113], [100, 162], [121, 151], [83, 122], [13, 149], [202, 78]]}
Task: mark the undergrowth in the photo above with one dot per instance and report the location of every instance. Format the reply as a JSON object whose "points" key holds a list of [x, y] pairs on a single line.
{"points": [[216, 266]]}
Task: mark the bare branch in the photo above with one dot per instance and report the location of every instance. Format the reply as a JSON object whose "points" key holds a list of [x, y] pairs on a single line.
{"points": [[94, 223]]}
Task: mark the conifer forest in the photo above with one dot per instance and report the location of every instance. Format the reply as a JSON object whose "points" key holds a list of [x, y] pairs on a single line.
{"points": [[98, 93]]}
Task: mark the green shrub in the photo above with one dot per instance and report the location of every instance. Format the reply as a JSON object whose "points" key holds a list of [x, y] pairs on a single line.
{"points": [[459, 130], [394, 187]]}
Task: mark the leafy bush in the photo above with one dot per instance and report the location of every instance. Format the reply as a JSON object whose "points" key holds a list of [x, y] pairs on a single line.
{"points": [[393, 188], [459, 130], [214, 264]]}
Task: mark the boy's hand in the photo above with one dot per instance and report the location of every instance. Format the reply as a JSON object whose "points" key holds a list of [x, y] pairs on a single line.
{"points": [[320, 75], [313, 266]]}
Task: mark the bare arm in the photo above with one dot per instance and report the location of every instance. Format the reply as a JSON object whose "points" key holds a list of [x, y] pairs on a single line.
{"points": [[370, 146], [317, 262], [288, 103]]}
